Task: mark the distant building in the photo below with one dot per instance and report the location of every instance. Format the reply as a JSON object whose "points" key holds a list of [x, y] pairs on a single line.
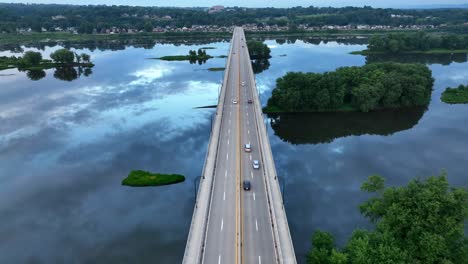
{"points": [[58, 17], [215, 9]]}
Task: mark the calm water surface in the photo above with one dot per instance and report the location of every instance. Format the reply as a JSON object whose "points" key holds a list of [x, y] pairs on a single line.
{"points": [[66, 146]]}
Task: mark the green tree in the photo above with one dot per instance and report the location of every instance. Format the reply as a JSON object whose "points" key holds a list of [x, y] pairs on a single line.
{"points": [[32, 58], [62, 56], [148, 26], [323, 245], [77, 58], [422, 222], [85, 57]]}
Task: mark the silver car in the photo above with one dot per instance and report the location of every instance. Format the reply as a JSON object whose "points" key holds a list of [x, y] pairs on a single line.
{"points": [[256, 164]]}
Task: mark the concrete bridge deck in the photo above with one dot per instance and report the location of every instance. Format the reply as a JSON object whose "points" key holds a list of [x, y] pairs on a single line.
{"points": [[229, 224]]}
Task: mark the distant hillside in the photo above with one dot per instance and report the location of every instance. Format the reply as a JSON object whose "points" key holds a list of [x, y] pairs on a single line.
{"points": [[437, 6]]}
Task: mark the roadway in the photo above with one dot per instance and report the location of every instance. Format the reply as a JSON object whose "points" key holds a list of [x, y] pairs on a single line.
{"points": [[239, 228]]}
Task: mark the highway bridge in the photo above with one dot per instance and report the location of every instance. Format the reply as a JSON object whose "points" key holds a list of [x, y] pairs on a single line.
{"points": [[230, 224]]}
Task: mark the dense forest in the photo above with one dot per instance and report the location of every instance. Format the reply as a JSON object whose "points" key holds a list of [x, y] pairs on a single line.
{"points": [[422, 222], [88, 18], [370, 87], [420, 41]]}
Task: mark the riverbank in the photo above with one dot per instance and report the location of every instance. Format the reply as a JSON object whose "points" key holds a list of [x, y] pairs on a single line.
{"points": [[414, 52], [30, 38]]}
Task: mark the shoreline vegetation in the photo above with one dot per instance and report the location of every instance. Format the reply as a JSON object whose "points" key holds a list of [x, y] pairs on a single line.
{"points": [[372, 87], [45, 37], [457, 95], [431, 232], [415, 43], [140, 178], [412, 52]]}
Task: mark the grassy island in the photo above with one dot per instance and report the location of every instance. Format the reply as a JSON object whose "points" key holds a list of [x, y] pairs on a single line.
{"points": [[457, 95], [193, 57], [374, 86], [139, 178], [416, 43], [33, 61]]}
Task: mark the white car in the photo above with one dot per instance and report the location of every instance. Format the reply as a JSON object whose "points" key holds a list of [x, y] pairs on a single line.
{"points": [[243, 83], [247, 148], [234, 101], [256, 164]]}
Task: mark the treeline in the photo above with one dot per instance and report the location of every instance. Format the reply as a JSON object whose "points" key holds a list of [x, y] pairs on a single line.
{"points": [[370, 87], [420, 41], [422, 222], [88, 18]]}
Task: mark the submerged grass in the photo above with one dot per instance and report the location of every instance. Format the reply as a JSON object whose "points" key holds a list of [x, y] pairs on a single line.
{"points": [[139, 178]]}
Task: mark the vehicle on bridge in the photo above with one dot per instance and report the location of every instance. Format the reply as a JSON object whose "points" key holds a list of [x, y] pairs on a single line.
{"points": [[247, 148], [256, 164], [243, 83], [246, 185], [249, 101], [234, 101]]}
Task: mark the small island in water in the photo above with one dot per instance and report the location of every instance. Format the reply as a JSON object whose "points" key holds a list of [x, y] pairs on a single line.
{"points": [[140, 178], [193, 57], [457, 95], [32, 60], [374, 86]]}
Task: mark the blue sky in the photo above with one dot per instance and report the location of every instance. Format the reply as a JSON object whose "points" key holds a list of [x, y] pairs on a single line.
{"points": [[255, 3]]}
